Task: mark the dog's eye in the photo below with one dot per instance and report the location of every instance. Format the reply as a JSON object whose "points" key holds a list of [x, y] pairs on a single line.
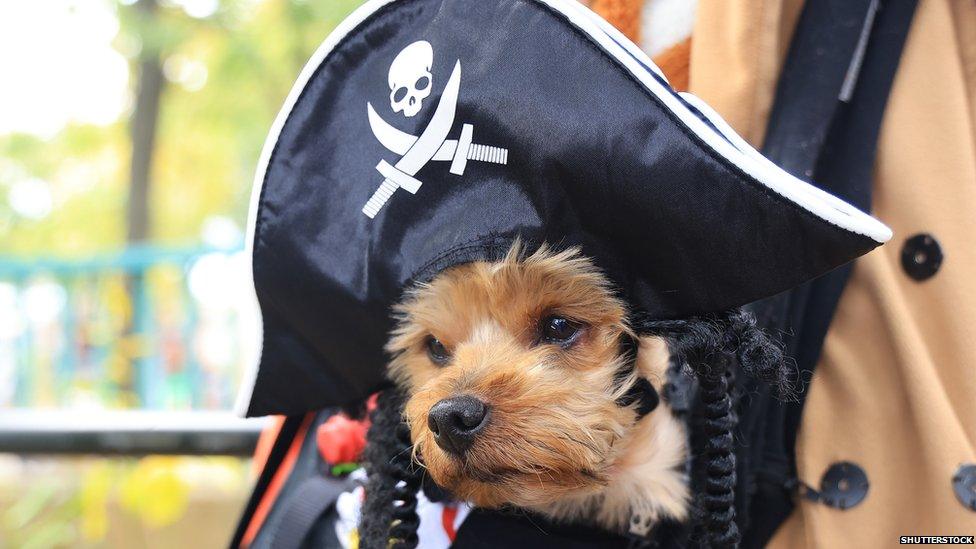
{"points": [[559, 330], [436, 351]]}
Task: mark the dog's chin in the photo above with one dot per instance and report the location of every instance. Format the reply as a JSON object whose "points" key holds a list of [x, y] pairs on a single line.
{"points": [[478, 478]]}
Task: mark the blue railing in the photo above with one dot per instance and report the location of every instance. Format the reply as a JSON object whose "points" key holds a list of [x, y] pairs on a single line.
{"points": [[150, 327]]}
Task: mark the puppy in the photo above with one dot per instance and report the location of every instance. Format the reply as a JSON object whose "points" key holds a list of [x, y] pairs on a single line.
{"points": [[517, 384]]}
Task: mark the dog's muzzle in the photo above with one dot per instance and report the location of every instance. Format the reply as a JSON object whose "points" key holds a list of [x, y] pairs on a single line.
{"points": [[456, 422]]}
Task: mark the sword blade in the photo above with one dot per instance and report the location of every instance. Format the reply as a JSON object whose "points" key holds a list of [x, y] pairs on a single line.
{"points": [[434, 135], [393, 139], [398, 141], [446, 152]]}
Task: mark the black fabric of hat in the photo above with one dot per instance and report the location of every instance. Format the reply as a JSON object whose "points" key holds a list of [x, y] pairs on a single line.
{"points": [[428, 133]]}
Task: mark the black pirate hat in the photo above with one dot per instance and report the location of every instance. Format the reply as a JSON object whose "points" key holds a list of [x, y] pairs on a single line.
{"points": [[427, 133]]}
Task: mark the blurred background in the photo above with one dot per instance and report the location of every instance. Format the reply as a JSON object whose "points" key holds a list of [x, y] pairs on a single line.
{"points": [[129, 133]]}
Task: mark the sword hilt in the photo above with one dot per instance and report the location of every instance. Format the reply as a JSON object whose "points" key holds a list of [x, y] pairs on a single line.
{"points": [[487, 153], [379, 198]]}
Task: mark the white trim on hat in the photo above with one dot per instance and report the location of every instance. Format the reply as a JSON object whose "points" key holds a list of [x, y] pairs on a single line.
{"points": [[345, 27], [816, 201], [725, 141]]}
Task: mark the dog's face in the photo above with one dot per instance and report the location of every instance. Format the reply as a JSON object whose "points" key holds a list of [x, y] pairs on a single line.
{"points": [[513, 372]]}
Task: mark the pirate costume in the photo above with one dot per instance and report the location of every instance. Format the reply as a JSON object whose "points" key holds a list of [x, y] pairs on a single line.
{"points": [[425, 134]]}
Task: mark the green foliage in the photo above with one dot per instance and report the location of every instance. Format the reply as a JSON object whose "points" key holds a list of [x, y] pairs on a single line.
{"points": [[121, 502], [227, 76]]}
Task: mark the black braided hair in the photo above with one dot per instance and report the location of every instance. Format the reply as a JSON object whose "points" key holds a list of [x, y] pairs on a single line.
{"points": [[389, 514], [712, 346]]}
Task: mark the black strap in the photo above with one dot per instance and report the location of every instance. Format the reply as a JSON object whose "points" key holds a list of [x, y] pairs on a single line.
{"points": [[286, 435], [310, 500], [823, 127], [831, 96], [822, 61]]}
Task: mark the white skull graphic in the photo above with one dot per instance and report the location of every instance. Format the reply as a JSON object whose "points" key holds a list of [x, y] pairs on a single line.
{"points": [[410, 79]]}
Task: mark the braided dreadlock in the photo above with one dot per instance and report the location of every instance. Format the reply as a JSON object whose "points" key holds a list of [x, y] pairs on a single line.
{"points": [[711, 345], [389, 516]]}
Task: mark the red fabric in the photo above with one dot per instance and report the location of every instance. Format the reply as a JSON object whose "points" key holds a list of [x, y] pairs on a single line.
{"points": [[341, 440], [448, 516]]}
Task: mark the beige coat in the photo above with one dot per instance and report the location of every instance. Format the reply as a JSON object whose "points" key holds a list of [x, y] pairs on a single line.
{"points": [[895, 390]]}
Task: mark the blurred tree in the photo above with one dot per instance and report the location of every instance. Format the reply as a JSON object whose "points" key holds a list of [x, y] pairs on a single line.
{"points": [[142, 129], [205, 80], [142, 126], [215, 72]]}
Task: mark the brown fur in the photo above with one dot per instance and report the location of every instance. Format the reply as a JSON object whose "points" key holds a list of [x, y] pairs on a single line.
{"points": [[557, 441]]}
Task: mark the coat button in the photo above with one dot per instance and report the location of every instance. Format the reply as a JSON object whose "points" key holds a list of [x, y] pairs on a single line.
{"points": [[921, 256], [964, 483], [844, 485]]}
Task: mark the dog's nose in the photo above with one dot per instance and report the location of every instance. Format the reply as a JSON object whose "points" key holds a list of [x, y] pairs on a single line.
{"points": [[456, 422]]}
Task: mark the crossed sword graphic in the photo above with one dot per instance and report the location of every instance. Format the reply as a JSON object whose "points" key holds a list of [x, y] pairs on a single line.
{"points": [[432, 144]]}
